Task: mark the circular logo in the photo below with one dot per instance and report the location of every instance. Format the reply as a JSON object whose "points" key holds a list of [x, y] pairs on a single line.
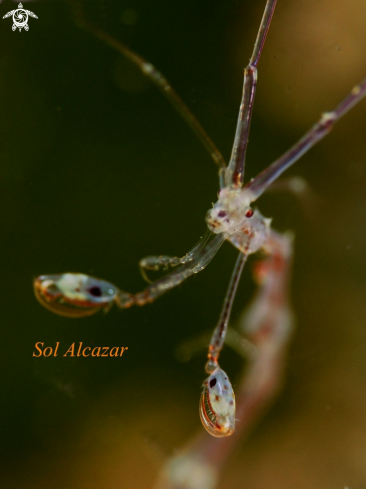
{"points": [[20, 18]]}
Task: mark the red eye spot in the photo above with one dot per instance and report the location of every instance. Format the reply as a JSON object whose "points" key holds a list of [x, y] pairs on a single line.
{"points": [[249, 213]]}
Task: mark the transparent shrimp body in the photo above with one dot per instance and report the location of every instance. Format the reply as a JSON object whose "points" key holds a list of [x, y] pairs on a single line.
{"points": [[246, 229]]}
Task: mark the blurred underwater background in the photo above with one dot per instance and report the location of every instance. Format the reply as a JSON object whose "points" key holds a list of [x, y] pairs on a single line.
{"points": [[97, 171]]}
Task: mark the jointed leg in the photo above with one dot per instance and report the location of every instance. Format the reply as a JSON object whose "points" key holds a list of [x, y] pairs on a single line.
{"points": [[165, 261], [315, 134], [158, 288], [219, 334], [270, 304], [79, 295], [217, 403], [234, 174], [268, 318], [205, 456]]}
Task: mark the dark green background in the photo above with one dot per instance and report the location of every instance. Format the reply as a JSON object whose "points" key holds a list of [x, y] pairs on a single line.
{"points": [[97, 171]]}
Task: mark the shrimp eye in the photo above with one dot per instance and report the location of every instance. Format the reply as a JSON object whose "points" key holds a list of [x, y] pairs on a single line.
{"points": [[249, 213]]}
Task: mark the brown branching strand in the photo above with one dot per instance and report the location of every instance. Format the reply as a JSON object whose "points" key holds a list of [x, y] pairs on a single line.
{"points": [[204, 457]]}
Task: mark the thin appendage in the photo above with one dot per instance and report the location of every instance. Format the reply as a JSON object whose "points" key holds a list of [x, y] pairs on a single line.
{"points": [[158, 288], [316, 133], [219, 334], [204, 457], [164, 261], [157, 78], [80, 295], [234, 175]]}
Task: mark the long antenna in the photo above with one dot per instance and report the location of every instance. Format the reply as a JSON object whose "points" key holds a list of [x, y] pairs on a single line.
{"points": [[156, 77]]}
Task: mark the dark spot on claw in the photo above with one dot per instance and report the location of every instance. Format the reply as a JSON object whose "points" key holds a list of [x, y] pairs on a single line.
{"points": [[95, 291], [213, 382]]}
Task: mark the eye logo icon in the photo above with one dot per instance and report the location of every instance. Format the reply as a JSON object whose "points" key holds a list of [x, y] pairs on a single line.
{"points": [[20, 17]]}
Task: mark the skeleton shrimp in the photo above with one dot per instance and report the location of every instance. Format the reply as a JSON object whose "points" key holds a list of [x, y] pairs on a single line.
{"points": [[232, 218]]}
